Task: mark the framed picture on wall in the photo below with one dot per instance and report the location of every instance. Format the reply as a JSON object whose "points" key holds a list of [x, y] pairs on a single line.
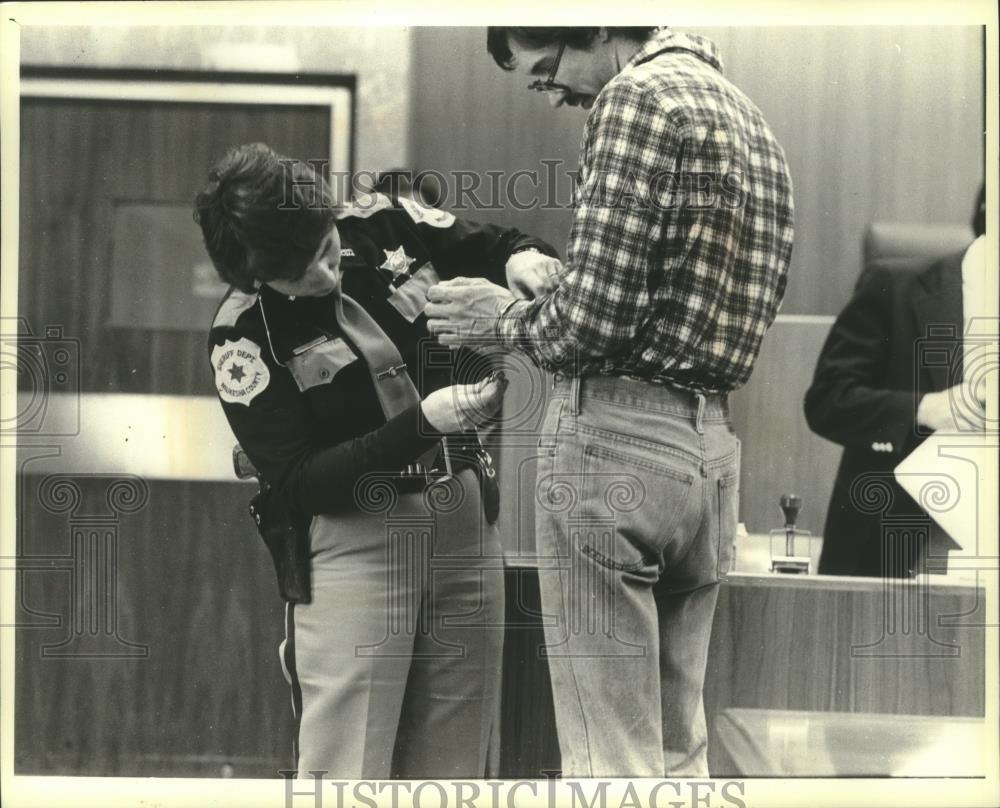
{"points": [[138, 143]]}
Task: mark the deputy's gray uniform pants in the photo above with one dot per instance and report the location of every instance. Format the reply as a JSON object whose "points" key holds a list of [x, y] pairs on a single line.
{"points": [[397, 658]]}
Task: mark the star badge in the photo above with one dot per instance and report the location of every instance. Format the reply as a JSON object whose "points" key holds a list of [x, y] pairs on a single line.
{"points": [[397, 262], [240, 373]]}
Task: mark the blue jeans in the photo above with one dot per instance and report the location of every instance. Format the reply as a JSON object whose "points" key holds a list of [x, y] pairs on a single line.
{"points": [[636, 514]]}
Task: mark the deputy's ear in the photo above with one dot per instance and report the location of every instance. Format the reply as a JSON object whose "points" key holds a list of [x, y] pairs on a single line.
{"points": [[603, 34]]}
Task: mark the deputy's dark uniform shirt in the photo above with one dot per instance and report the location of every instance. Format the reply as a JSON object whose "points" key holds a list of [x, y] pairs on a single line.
{"points": [[298, 397]]}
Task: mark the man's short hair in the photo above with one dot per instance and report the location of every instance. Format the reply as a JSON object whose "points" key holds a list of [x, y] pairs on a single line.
{"points": [[262, 215], [498, 39]]}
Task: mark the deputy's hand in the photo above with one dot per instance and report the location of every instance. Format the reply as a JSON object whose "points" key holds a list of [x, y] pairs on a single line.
{"points": [[957, 409], [462, 407], [464, 311], [532, 274]]}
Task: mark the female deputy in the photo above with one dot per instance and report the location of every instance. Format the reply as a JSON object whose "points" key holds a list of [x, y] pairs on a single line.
{"points": [[368, 457]]}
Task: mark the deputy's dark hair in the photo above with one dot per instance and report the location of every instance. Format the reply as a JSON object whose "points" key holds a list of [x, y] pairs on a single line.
{"points": [[979, 214], [262, 215], [498, 39]]}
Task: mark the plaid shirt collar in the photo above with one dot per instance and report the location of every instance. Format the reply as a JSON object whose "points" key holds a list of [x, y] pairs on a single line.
{"points": [[666, 40]]}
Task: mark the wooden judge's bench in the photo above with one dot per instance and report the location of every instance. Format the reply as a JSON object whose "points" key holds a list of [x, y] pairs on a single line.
{"points": [[796, 663]]}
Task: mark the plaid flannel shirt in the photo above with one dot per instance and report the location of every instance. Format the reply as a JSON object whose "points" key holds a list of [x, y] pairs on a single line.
{"points": [[682, 230]]}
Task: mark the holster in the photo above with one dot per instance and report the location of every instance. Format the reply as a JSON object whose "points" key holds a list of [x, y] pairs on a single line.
{"points": [[287, 541], [473, 454]]}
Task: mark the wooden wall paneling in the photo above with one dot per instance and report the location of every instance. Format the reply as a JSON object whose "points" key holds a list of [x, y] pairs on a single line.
{"points": [[878, 123], [469, 115], [780, 454], [196, 588]]}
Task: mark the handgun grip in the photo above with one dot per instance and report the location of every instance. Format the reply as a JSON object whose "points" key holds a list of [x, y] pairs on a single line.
{"points": [[242, 465]]}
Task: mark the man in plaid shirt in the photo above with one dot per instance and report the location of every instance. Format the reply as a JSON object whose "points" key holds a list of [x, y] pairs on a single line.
{"points": [[676, 266]]}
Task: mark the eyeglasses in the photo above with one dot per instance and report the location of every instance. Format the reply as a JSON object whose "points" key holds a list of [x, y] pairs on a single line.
{"points": [[549, 85]]}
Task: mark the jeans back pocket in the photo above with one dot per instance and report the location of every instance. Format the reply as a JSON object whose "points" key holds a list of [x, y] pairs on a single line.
{"points": [[630, 507]]}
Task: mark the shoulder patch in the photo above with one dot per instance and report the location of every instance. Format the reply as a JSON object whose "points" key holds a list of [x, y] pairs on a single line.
{"points": [[240, 373], [365, 205], [424, 215], [232, 307]]}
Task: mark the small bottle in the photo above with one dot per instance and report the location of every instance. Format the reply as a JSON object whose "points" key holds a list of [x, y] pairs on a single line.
{"points": [[740, 539]]}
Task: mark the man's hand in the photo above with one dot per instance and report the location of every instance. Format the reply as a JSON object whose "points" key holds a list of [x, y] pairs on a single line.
{"points": [[957, 409], [465, 310], [532, 274], [462, 407]]}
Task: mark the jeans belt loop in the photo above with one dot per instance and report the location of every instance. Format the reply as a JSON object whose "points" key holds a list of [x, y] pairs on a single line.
{"points": [[574, 397], [698, 423]]}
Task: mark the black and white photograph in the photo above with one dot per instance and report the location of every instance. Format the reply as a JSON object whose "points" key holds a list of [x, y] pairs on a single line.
{"points": [[478, 407]]}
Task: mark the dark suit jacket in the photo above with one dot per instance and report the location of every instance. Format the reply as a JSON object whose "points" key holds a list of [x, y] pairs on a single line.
{"points": [[899, 337]]}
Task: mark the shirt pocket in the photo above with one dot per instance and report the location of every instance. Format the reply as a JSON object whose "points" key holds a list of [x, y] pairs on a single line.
{"points": [[320, 364], [410, 299]]}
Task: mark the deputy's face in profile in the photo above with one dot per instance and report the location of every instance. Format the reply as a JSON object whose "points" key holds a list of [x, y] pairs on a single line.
{"points": [[320, 277]]}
